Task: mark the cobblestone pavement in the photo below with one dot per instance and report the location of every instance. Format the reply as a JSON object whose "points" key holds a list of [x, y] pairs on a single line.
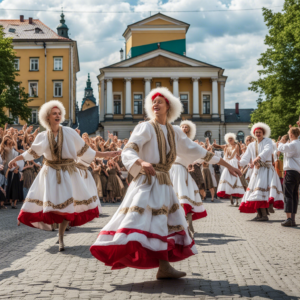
{"points": [[237, 259]]}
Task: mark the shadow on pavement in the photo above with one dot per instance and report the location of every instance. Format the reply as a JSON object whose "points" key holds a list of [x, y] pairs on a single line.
{"points": [[215, 239], [8, 274], [202, 287], [82, 251]]}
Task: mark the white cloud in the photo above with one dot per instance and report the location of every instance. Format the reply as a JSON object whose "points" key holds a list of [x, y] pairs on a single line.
{"points": [[231, 40]]}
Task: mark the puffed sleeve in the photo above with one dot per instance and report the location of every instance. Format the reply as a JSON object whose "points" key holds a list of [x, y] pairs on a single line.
{"points": [[85, 154], [130, 154], [191, 151], [37, 148]]}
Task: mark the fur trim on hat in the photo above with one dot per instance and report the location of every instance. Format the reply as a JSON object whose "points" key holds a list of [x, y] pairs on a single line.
{"points": [[264, 126], [229, 135], [175, 105], [45, 110], [192, 133]]}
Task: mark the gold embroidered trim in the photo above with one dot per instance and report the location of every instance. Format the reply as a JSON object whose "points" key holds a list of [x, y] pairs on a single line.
{"points": [[161, 211], [62, 205], [174, 208], [33, 153], [235, 186], [197, 192], [137, 209], [133, 146], [83, 150], [190, 200], [275, 188], [175, 228], [208, 156]]}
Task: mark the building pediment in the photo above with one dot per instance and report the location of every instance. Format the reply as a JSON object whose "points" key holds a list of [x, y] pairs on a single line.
{"points": [[160, 58]]}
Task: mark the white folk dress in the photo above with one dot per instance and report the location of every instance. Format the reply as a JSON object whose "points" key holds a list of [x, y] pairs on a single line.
{"points": [[230, 185], [186, 188], [150, 223], [51, 200], [264, 186]]}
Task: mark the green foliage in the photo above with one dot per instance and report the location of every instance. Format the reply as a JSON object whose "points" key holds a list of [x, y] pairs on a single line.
{"points": [[12, 96], [279, 80]]}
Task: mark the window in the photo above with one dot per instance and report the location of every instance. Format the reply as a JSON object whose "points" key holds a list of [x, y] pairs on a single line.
{"points": [[184, 98], [17, 64], [58, 64], [34, 64], [206, 104], [34, 116], [157, 84], [117, 104], [33, 89], [115, 133], [15, 119], [240, 136], [138, 104], [208, 134], [57, 89]]}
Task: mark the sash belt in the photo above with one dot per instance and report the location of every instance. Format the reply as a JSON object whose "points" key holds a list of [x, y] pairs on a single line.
{"points": [[63, 164]]}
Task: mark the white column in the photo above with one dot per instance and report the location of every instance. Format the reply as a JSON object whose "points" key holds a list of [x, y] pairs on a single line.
{"points": [[101, 105], [196, 97], [128, 113], [109, 98], [147, 85], [222, 83], [215, 106], [175, 86]]}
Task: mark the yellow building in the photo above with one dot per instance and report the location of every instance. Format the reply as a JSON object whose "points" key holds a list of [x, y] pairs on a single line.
{"points": [[156, 56], [47, 63]]}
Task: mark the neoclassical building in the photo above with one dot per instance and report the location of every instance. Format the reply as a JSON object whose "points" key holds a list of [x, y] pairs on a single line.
{"points": [[156, 56]]}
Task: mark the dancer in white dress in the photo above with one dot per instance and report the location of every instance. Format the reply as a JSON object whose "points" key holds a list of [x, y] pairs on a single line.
{"points": [[249, 168], [184, 185], [264, 186], [149, 229], [59, 194], [230, 186]]}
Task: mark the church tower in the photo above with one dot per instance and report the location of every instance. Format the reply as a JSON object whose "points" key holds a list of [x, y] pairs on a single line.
{"points": [[62, 28], [89, 100]]}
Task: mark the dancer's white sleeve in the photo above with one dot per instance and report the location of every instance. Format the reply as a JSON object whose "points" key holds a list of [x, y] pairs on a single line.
{"points": [[191, 151], [37, 148], [288, 148], [130, 154], [246, 158], [267, 150]]}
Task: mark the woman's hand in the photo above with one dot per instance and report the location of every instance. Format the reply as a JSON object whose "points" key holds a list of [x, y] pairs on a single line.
{"points": [[148, 168], [235, 172], [12, 164]]}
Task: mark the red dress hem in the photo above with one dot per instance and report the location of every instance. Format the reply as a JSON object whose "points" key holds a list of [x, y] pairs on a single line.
{"points": [[195, 215]]}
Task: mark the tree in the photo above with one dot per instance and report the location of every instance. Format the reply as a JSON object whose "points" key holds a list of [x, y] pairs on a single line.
{"points": [[12, 95], [279, 81]]}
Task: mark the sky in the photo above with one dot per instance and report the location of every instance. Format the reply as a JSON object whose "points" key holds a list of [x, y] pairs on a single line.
{"points": [[232, 40]]}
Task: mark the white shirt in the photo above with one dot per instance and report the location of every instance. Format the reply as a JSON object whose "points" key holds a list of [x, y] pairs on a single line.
{"points": [[265, 151], [144, 137], [291, 160]]}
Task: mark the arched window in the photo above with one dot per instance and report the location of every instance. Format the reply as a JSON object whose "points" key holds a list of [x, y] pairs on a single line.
{"points": [[241, 136], [208, 134]]}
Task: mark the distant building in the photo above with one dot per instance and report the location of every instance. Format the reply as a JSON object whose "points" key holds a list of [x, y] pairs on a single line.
{"points": [[47, 63], [156, 56], [89, 100]]}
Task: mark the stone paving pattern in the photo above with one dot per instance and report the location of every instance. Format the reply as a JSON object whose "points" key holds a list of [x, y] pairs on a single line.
{"points": [[238, 259]]}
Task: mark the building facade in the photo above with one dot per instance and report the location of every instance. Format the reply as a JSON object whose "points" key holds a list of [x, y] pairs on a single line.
{"points": [[156, 56], [89, 100], [47, 63]]}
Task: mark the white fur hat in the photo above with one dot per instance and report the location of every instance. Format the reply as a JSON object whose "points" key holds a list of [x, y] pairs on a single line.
{"points": [[192, 132], [263, 126], [229, 135], [175, 105], [46, 109]]}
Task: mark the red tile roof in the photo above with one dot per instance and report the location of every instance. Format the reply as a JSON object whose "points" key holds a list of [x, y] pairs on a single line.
{"points": [[26, 31]]}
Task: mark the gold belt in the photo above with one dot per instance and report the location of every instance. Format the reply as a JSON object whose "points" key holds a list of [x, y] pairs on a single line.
{"points": [[267, 164], [63, 164], [162, 175]]}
